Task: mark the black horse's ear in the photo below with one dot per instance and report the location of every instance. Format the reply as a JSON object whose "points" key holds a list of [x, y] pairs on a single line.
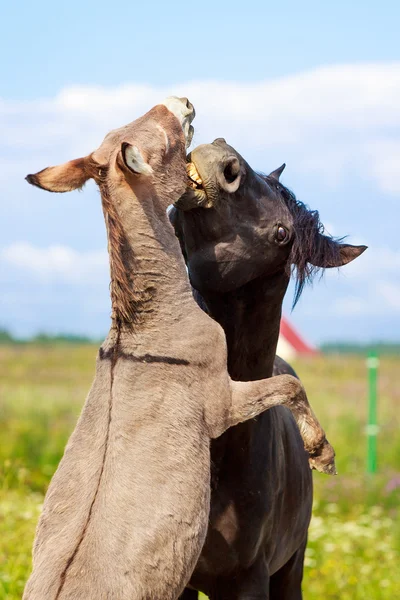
{"points": [[277, 173], [348, 253], [334, 254]]}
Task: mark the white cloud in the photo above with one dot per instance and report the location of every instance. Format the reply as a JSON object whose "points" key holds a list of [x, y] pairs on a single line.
{"points": [[56, 263], [369, 285], [366, 286], [331, 121], [375, 264], [58, 288], [384, 158], [351, 306], [390, 292], [339, 124]]}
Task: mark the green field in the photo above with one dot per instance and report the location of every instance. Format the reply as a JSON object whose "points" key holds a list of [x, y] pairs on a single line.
{"points": [[354, 547]]}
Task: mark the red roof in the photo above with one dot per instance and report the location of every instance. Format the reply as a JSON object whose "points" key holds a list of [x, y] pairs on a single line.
{"points": [[294, 339]]}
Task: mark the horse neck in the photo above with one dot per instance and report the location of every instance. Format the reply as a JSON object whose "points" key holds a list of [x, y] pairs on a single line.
{"points": [[149, 284], [250, 317]]}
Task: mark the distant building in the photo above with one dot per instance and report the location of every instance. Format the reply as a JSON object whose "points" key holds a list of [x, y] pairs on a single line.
{"points": [[291, 343]]}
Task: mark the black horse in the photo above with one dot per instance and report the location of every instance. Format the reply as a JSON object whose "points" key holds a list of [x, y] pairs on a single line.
{"points": [[240, 252]]}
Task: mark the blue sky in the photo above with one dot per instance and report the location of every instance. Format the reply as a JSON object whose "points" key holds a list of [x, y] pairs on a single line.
{"points": [[314, 84], [52, 45]]}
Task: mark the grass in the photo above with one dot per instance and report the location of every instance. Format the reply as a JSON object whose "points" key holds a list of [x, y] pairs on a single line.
{"points": [[354, 541]]}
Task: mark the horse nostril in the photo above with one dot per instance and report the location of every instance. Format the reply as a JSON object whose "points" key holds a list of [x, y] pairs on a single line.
{"points": [[229, 174], [186, 102], [232, 170]]}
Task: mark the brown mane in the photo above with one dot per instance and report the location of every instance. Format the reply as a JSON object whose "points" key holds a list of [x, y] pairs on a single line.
{"points": [[128, 298]]}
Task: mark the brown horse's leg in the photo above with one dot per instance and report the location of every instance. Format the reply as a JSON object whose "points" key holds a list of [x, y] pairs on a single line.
{"points": [[285, 584], [189, 594], [251, 398]]}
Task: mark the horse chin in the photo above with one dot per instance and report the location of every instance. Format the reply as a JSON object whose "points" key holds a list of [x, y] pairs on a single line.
{"points": [[193, 198]]}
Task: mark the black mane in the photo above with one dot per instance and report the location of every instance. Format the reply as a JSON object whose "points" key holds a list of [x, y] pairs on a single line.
{"points": [[312, 250]]}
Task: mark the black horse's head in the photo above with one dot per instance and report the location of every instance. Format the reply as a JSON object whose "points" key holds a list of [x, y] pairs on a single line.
{"points": [[236, 225]]}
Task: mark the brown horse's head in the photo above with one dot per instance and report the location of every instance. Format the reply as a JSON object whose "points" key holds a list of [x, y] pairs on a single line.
{"points": [[236, 225], [143, 165], [148, 154]]}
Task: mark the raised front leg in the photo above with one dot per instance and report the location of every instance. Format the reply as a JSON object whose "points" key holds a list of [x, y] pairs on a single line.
{"points": [[251, 398]]}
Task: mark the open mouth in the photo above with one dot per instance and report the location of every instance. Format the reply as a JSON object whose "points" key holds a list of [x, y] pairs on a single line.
{"points": [[195, 181], [195, 186]]}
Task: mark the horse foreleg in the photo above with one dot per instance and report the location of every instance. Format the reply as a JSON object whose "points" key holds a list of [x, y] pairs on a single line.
{"points": [[189, 594], [285, 584], [249, 584], [251, 398]]}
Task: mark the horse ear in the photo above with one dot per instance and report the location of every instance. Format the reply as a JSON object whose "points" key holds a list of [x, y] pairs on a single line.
{"points": [[348, 253], [70, 176], [334, 254], [134, 160], [277, 173]]}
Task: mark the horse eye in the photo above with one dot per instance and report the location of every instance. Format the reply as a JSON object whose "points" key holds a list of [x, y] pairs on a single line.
{"points": [[281, 234]]}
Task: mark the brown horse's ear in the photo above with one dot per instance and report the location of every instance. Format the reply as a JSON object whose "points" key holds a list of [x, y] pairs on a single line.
{"points": [[277, 173], [335, 254], [134, 160], [70, 176]]}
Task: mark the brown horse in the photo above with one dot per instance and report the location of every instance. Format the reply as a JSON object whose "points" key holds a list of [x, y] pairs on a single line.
{"points": [[126, 513], [240, 251]]}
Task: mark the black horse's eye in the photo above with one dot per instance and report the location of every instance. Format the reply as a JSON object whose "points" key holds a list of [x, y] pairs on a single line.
{"points": [[282, 234]]}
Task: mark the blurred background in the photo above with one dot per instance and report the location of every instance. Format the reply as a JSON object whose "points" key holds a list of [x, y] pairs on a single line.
{"points": [[312, 84]]}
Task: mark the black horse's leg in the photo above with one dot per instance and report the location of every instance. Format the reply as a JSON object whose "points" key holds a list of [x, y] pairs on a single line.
{"points": [[285, 584], [250, 584], [189, 594]]}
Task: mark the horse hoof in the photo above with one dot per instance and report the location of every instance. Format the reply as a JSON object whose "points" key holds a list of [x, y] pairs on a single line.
{"points": [[323, 460]]}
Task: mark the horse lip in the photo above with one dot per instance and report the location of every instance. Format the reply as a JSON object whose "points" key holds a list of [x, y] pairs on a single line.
{"points": [[193, 173], [199, 189]]}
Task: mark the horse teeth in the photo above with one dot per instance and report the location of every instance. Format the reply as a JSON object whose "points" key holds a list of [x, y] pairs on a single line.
{"points": [[193, 174]]}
